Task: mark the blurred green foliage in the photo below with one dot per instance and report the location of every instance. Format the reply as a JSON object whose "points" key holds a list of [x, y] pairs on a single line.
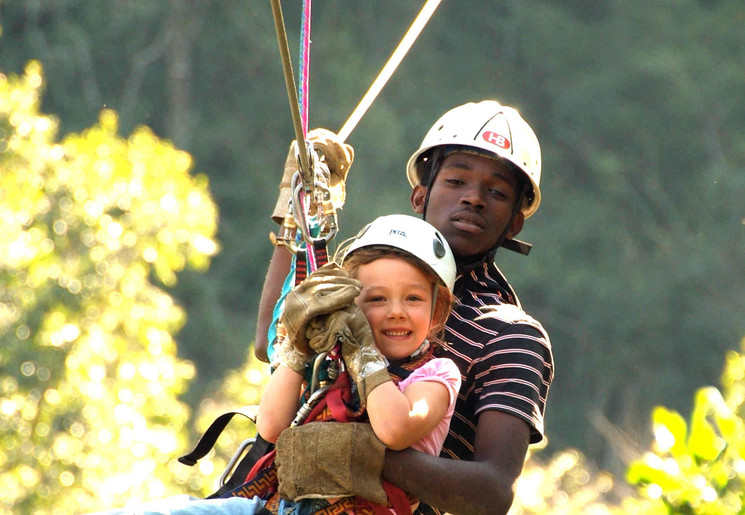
{"points": [[698, 467], [639, 242], [636, 271], [93, 226], [693, 467]]}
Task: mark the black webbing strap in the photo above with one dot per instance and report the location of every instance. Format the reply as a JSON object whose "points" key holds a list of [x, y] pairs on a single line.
{"points": [[321, 253], [208, 440], [517, 246], [301, 266]]}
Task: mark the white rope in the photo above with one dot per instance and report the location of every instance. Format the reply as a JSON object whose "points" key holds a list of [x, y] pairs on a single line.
{"points": [[403, 47]]}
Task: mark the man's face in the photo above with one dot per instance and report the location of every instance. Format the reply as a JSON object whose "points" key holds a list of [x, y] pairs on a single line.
{"points": [[471, 202]]}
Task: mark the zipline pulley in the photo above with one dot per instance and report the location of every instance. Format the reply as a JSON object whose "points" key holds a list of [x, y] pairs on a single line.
{"points": [[313, 212]]}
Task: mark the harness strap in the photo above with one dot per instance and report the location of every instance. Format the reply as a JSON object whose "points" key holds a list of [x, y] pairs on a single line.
{"points": [[259, 449], [399, 502], [263, 483], [308, 260], [301, 266], [321, 253], [336, 404], [209, 438]]}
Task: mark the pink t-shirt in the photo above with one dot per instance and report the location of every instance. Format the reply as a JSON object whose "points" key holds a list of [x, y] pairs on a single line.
{"points": [[441, 370], [445, 371]]}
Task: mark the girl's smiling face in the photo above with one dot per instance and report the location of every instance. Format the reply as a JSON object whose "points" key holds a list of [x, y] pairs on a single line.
{"points": [[396, 298]]}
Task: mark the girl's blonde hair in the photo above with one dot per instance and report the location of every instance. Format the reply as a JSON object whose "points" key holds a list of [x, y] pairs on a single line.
{"points": [[443, 301]]}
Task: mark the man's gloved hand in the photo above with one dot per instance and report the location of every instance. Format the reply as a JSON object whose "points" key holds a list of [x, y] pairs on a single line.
{"points": [[367, 367], [330, 459], [334, 154], [326, 290]]}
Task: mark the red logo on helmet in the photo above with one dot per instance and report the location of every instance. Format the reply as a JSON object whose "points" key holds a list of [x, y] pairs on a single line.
{"points": [[496, 139]]}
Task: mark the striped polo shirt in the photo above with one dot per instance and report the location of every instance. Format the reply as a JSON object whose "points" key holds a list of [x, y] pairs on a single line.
{"points": [[504, 357]]}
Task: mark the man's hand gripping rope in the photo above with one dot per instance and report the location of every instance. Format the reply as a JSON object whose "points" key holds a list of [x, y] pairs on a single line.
{"points": [[319, 193]]}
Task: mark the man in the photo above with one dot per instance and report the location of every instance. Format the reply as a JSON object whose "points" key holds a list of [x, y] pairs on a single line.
{"points": [[476, 179]]}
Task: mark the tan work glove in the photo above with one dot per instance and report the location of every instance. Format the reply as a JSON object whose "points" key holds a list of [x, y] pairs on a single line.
{"points": [[330, 459], [367, 367], [334, 154], [323, 332], [326, 290], [288, 355]]}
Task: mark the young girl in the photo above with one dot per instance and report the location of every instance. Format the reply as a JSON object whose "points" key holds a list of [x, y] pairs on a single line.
{"points": [[407, 272], [400, 272]]}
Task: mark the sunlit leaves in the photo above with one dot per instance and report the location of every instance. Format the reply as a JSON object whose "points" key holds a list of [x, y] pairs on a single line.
{"points": [[564, 485], [696, 467], [241, 387], [733, 380], [90, 378]]}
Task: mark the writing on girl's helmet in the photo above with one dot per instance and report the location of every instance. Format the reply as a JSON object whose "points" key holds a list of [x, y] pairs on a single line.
{"points": [[412, 235], [490, 129]]}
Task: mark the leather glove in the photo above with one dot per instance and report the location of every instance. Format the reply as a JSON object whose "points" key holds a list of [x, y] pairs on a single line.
{"points": [[367, 367], [323, 331], [330, 459], [326, 290], [294, 359], [335, 155]]}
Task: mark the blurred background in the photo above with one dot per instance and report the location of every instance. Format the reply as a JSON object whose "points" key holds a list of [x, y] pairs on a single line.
{"points": [[637, 267]]}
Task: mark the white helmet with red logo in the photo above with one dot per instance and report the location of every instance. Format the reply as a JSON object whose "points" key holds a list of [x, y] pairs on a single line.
{"points": [[412, 235], [491, 128]]}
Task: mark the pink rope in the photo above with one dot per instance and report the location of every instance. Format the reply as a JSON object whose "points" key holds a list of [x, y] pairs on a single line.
{"points": [[304, 65], [304, 73]]}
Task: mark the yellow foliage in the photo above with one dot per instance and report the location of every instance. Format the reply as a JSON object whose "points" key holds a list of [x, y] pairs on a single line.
{"points": [[240, 388], [90, 416], [89, 375], [564, 485]]}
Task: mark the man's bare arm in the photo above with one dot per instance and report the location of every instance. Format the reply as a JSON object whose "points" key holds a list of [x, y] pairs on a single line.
{"points": [[480, 487], [279, 267]]}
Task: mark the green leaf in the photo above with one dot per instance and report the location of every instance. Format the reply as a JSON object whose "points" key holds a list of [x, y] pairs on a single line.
{"points": [[669, 429], [705, 441]]}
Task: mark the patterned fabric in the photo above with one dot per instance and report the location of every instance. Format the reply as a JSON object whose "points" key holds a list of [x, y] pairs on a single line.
{"points": [[503, 354]]}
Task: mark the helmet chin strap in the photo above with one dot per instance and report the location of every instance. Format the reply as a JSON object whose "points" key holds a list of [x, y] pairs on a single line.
{"points": [[434, 169], [418, 353]]}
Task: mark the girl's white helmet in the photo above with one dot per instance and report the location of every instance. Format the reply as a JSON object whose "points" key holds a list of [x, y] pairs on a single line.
{"points": [[411, 235], [492, 129]]}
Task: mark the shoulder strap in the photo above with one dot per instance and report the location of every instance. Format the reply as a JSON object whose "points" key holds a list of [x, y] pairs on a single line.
{"points": [[210, 436], [401, 370], [259, 449]]}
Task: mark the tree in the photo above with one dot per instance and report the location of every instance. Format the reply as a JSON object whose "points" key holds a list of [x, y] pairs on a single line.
{"points": [[693, 467], [92, 229], [637, 104], [697, 467]]}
